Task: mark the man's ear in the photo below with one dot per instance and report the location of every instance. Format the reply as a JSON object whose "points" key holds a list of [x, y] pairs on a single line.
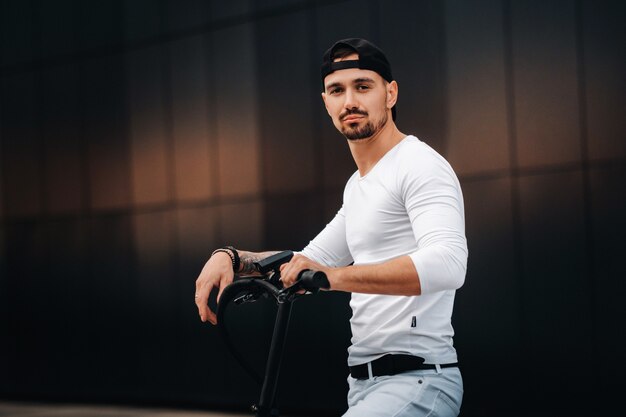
{"points": [[392, 94]]}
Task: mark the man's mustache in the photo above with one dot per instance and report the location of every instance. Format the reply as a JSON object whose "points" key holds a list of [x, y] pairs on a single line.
{"points": [[351, 112]]}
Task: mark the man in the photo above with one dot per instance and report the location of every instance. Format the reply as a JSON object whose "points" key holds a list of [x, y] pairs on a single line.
{"points": [[397, 244]]}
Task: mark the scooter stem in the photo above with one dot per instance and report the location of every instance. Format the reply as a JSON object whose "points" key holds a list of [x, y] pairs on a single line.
{"points": [[270, 382]]}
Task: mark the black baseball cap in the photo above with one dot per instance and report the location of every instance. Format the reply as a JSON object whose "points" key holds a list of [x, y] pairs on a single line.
{"points": [[371, 57]]}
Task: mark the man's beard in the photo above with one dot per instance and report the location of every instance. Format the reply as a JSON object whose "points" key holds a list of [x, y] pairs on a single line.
{"points": [[366, 131]]}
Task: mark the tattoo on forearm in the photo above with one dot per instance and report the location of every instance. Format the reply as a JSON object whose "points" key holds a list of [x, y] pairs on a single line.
{"points": [[247, 260]]}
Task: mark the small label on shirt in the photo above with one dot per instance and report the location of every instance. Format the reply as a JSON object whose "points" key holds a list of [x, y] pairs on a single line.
{"points": [[413, 322]]}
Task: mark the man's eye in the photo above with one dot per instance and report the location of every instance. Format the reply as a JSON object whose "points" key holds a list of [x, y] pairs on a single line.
{"points": [[362, 87], [335, 90]]}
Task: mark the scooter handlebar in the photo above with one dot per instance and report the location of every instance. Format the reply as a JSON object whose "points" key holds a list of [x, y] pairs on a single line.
{"points": [[308, 280], [312, 281]]}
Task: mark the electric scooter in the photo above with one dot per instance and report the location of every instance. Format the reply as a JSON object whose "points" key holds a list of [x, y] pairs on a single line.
{"points": [[268, 284]]}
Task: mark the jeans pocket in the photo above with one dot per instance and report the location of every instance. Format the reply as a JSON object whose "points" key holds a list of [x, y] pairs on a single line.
{"points": [[445, 406]]}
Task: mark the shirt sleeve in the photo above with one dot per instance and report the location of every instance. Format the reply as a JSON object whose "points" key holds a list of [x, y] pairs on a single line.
{"points": [[330, 246], [434, 203]]}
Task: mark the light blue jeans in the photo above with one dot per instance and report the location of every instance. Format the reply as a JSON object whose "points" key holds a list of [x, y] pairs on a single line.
{"points": [[415, 393]]}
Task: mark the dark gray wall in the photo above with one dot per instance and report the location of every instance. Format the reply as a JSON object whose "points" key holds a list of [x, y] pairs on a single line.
{"points": [[137, 136]]}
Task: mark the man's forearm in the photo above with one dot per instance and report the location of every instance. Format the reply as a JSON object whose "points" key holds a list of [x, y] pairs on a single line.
{"points": [[395, 277], [247, 260]]}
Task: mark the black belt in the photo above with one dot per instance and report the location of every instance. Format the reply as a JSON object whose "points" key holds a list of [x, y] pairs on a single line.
{"points": [[394, 364]]}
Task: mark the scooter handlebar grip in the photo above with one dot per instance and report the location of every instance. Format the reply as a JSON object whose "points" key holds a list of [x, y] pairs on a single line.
{"points": [[313, 280]]}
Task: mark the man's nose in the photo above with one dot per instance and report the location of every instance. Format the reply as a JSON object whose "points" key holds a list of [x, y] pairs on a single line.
{"points": [[351, 100]]}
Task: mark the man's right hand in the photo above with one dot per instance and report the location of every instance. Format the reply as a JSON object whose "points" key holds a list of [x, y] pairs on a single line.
{"points": [[217, 273]]}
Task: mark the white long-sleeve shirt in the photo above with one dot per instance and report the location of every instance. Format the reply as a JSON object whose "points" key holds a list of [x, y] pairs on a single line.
{"points": [[410, 203]]}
